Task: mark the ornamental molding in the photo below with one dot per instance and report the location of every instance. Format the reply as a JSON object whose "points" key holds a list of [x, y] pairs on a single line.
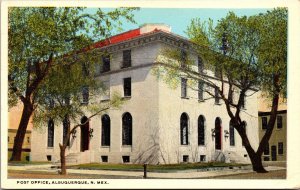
{"points": [[167, 38]]}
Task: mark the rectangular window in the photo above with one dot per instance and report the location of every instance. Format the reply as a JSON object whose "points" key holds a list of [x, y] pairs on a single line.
{"points": [[200, 90], [200, 65], [50, 133], [267, 149], [264, 122], [49, 157], [183, 88], [279, 122], [104, 158], [127, 87], [217, 97], [28, 139], [185, 158], [105, 63], [183, 57], [266, 158], [126, 58], [202, 158], [85, 95], [8, 139], [280, 148], [126, 159], [106, 90]]}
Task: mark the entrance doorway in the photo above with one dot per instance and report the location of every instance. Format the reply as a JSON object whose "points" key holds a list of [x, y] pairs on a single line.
{"points": [[273, 153], [218, 134], [85, 136]]}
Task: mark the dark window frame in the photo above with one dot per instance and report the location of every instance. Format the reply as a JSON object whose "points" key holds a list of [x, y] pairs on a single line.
{"points": [[104, 158], [267, 149], [264, 123], [105, 130], [127, 129], [185, 158], [280, 148], [184, 129], [127, 87], [200, 65], [201, 130], [279, 122], [183, 59], [85, 95], [126, 159], [50, 138], [183, 88], [126, 58], [105, 67], [201, 90], [217, 97]]}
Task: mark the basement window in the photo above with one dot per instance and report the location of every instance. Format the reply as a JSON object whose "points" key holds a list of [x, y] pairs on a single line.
{"points": [[202, 158], [49, 157], [104, 158], [185, 158], [126, 159]]}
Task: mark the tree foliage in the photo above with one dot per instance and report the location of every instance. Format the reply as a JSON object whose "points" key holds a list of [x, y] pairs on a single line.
{"points": [[46, 44], [247, 54]]}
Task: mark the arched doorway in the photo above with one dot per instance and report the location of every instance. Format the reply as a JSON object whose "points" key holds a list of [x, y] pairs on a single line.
{"points": [[218, 133], [85, 136]]}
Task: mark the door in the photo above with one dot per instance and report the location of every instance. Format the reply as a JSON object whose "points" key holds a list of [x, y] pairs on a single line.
{"points": [[273, 153]]}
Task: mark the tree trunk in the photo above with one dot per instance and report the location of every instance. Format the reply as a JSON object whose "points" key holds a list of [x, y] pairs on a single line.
{"points": [[63, 160], [256, 161], [255, 157], [18, 142]]}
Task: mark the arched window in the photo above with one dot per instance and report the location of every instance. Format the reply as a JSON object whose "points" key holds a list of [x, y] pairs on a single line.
{"points": [[127, 129], [84, 134], [184, 129], [50, 133], [218, 133], [231, 133], [201, 130], [105, 132]]}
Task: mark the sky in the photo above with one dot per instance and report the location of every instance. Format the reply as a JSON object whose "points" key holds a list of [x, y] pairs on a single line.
{"points": [[179, 19]]}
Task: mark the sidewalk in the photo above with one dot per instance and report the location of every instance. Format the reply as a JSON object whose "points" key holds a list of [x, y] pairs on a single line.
{"points": [[191, 174]]}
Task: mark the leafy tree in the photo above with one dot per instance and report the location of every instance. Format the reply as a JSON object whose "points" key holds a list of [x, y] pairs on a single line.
{"points": [[247, 54], [69, 92], [42, 38]]}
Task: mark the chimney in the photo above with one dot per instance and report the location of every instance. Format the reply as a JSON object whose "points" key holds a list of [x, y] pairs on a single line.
{"points": [[146, 28]]}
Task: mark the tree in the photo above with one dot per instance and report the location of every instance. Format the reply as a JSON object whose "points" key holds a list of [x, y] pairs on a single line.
{"points": [[247, 54], [69, 92], [41, 38]]}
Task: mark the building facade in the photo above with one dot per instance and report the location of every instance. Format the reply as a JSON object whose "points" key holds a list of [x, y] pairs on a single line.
{"points": [[277, 147], [157, 124], [14, 115]]}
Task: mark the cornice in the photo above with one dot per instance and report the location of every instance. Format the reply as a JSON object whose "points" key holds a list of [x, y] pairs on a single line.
{"points": [[160, 36]]}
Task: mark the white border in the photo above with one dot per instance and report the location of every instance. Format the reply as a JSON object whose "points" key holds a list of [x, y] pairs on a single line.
{"points": [[293, 140]]}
